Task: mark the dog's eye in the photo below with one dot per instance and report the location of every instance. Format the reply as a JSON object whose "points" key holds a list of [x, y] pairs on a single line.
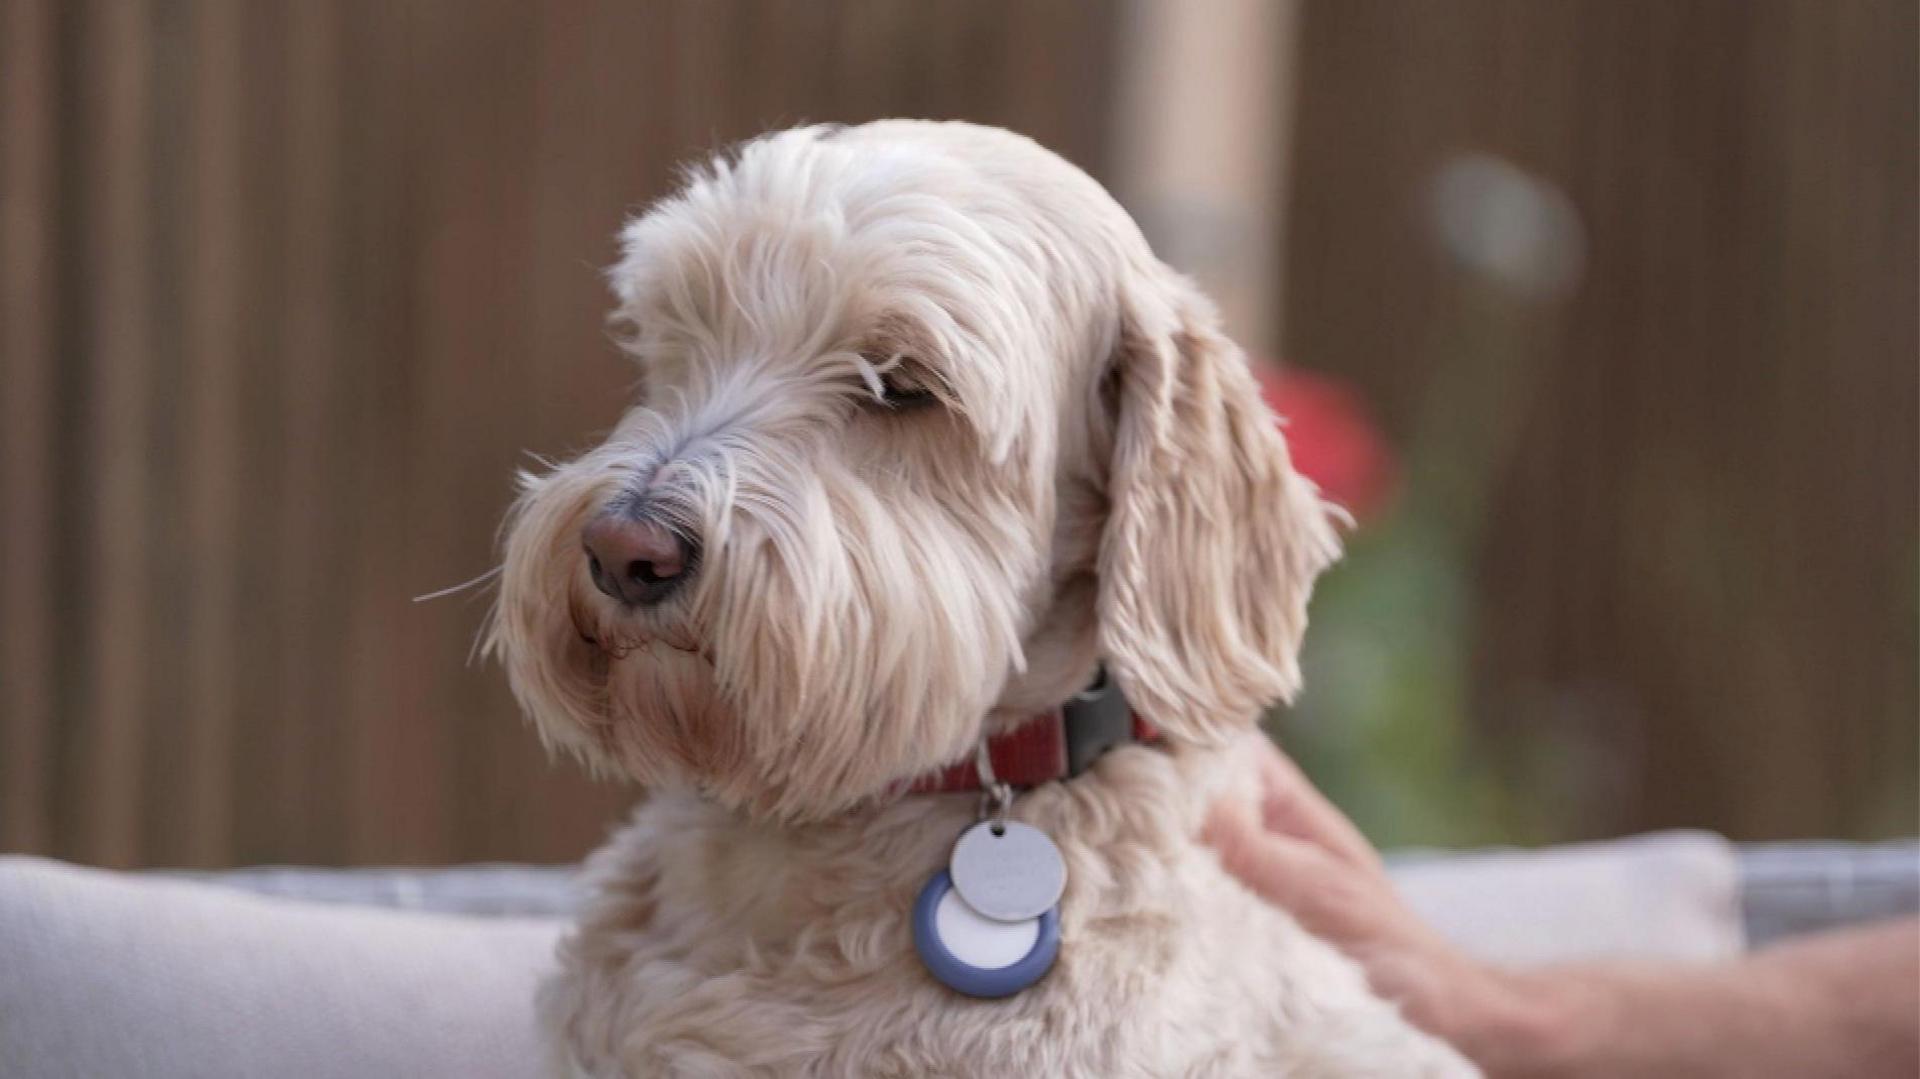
{"points": [[904, 387]]}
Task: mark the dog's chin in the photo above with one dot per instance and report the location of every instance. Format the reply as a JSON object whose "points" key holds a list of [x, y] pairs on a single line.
{"points": [[656, 715], [658, 710], [671, 724]]}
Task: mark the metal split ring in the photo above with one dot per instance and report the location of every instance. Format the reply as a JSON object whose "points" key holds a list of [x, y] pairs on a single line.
{"points": [[993, 792]]}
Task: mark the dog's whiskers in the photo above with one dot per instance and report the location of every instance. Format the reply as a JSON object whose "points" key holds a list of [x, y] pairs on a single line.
{"points": [[461, 587]]}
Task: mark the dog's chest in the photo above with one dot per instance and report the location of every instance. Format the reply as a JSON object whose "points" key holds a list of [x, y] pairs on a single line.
{"points": [[708, 947], [852, 1000]]}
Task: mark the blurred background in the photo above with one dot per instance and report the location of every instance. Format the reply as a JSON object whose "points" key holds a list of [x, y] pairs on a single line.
{"points": [[1600, 314]]}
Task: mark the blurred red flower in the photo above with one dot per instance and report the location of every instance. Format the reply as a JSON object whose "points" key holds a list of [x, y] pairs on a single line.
{"points": [[1332, 437]]}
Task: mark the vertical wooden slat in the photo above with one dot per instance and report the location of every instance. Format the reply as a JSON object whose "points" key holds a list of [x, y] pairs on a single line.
{"points": [[386, 809], [1200, 77], [167, 761], [28, 468], [117, 157], [268, 809], [215, 273], [306, 533]]}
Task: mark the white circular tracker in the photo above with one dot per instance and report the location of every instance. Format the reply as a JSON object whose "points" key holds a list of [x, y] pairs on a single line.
{"points": [[1007, 871], [982, 942]]}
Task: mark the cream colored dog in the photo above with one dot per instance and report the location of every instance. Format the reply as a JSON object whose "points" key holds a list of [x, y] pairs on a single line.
{"points": [[925, 434]]}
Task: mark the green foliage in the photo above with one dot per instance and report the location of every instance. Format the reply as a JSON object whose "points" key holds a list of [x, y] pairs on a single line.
{"points": [[1383, 725]]}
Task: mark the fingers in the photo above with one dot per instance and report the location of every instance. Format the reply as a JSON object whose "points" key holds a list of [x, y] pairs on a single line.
{"points": [[1296, 851], [1330, 896], [1292, 806]]}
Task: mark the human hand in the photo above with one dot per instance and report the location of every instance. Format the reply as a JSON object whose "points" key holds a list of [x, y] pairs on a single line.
{"points": [[1300, 853]]}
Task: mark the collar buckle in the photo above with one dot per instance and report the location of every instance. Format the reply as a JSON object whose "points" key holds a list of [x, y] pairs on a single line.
{"points": [[1095, 720]]}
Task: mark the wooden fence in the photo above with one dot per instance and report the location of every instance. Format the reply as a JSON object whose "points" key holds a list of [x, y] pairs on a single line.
{"points": [[286, 289]]}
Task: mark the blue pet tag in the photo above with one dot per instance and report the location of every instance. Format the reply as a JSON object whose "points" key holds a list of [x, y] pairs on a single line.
{"points": [[970, 953]]}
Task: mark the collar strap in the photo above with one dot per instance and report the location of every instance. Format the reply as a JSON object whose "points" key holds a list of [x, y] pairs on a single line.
{"points": [[1054, 745]]}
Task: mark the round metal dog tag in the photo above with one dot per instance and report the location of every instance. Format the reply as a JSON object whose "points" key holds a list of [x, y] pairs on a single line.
{"points": [[1007, 871]]}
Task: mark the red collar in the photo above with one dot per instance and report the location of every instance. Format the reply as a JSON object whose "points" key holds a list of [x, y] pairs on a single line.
{"points": [[1054, 745]]}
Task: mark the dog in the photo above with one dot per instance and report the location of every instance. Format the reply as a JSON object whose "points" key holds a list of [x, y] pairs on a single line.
{"points": [[925, 439]]}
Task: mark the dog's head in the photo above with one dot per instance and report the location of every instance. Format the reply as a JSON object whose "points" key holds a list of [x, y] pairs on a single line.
{"points": [[924, 432]]}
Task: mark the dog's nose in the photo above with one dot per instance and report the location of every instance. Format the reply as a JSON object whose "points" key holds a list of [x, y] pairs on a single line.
{"points": [[635, 559]]}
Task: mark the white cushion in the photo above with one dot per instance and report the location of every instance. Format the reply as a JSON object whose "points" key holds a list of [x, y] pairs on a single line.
{"points": [[1672, 895], [106, 974], [110, 974]]}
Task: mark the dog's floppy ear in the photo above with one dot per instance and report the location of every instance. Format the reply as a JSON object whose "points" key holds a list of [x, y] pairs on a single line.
{"points": [[1212, 539]]}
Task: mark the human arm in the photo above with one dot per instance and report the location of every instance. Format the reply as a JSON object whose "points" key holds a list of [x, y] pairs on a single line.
{"points": [[1846, 1002]]}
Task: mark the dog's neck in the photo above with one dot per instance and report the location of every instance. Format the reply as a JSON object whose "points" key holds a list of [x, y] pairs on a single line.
{"points": [[1057, 744]]}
